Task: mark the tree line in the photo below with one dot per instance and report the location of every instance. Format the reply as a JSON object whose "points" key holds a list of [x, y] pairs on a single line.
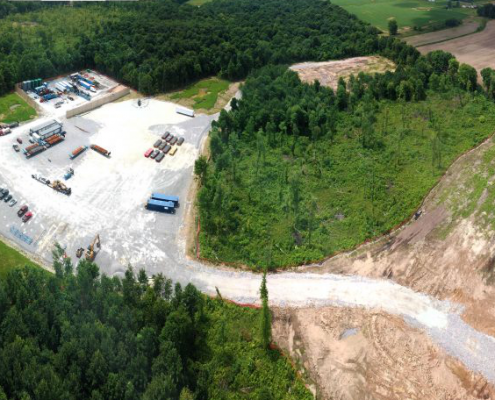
{"points": [[89, 336], [156, 46]]}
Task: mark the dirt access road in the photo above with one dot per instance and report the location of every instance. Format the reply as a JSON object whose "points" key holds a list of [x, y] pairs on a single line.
{"points": [[477, 49]]}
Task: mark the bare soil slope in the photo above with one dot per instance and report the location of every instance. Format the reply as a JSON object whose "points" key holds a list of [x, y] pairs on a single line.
{"points": [[329, 72], [477, 49], [353, 354]]}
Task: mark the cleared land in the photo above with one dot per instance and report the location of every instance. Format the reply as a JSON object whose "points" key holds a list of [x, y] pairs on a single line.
{"points": [[366, 354], [477, 50], [108, 195], [208, 96], [329, 72], [443, 35], [408, 14], [13, 108]]}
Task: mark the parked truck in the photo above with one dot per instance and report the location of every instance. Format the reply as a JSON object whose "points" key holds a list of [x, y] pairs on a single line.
{"points": [[162, 206], [34, 151], [49, 96], [77, 152], [100, 150], [86, 85]]}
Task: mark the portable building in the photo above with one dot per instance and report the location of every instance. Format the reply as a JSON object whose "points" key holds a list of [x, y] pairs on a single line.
{"points": [[50, 128]]}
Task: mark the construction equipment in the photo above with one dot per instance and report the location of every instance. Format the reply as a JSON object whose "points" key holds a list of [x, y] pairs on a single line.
{"points": [[69, 174], [60, 187], [79, 252], [90, 252]]}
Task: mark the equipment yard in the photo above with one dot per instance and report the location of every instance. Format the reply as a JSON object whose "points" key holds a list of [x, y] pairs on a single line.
{"points": [[108, 182]]}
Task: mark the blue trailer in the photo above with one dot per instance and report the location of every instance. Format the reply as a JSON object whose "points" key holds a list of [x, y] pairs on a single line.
{"points": [[162, 206], [50, 96], [85, 85], [164, 197]]}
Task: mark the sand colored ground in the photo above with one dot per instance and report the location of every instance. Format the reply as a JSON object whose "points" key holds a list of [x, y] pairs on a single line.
{"points": [[446, 34], [477, 49], [354, 354], [329, 72]]}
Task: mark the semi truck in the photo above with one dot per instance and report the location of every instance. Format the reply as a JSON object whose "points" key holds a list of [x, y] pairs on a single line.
{"points": [[87, 86], [164, 197], [162, 206]]}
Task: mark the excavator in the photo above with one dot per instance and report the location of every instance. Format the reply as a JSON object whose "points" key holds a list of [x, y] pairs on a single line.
{"points": [[60, 187], [90, 252]]}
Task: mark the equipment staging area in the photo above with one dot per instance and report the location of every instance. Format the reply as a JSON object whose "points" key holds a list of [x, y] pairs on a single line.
{"points": [[108, 194]]}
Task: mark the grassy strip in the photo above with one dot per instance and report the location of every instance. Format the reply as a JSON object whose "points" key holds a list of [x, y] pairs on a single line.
{"points": [[14, 108], [198, 2], [11, 258], [203, 94]]}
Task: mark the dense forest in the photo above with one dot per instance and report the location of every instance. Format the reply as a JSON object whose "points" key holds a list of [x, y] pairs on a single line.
{"points": [[160, 45], [86, 336], [299, 172]]}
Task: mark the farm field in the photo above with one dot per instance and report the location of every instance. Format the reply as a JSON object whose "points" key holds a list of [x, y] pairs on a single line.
{"points": [[477, 50], [13, 108], [408, 13], [445, 34]]}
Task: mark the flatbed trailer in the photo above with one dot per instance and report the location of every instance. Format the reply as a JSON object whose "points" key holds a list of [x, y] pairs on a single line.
{"points": [[100, 150], [77, 152]]}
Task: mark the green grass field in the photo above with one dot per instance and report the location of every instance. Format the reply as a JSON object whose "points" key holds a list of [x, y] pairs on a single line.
{"points": [[10, 258], [203, 94], [408, 13], [13, 108]]}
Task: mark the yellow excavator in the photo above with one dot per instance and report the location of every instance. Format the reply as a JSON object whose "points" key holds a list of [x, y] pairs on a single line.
{"points": [[90, 252]]}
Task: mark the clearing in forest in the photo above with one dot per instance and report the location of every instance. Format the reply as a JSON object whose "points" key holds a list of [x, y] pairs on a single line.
{"points": [[208, 95], [14, 108], [477, 50], [329, 72], [409, 14]]}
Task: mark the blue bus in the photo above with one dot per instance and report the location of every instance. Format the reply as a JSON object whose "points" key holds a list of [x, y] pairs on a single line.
{"points": [[164, 197]]}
